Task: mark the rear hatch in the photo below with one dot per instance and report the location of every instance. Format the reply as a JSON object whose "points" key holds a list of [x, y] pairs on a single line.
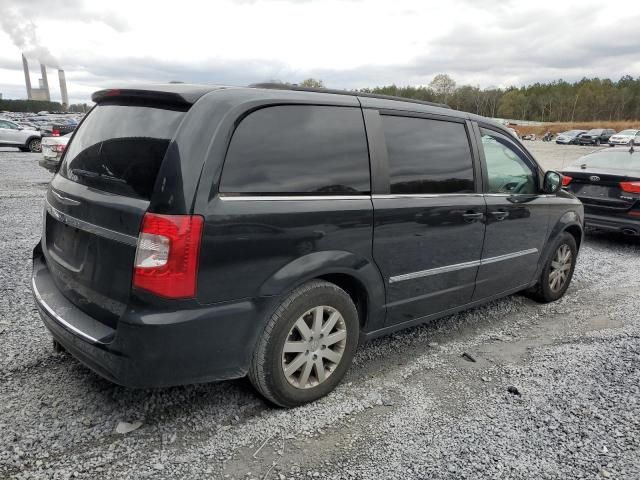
{"points": [[607, 183], [96, 203]]}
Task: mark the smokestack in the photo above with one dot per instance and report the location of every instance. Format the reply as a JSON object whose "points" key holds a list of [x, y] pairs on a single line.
{"points": [[27, 78], [63, 89], [45, 82]]}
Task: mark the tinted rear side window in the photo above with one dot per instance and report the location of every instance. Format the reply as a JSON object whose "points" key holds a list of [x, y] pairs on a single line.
{"points": [[298, 149], [119, 148], [428, 156]]}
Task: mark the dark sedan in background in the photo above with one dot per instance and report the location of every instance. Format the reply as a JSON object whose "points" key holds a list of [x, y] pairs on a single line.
{"points": [[596, 136], [608, 184], [570, 137]]}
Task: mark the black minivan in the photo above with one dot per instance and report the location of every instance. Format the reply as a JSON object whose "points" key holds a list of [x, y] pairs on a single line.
{"points": [[199, 233]]}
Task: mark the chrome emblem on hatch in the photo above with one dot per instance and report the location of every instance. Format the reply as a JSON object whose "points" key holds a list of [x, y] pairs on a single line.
{"points": [[594, 178]]}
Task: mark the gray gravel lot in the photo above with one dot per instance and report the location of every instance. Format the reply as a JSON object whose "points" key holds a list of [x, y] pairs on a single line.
{"points": [[410, 406]]}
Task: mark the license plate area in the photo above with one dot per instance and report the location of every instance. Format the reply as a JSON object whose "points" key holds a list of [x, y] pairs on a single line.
{"points": [[67, 245]]}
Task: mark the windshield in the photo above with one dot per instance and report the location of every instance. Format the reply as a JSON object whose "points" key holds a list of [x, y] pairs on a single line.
{"points": [[572, 133], [119, 148], [619, 160], [627, 132]]}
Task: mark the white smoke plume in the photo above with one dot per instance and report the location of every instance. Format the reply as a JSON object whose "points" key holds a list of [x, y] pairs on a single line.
{"points": [[24, 34]]}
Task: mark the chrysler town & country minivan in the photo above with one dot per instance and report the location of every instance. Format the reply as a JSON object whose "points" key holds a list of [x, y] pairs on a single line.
{"points": [[200, 233]]}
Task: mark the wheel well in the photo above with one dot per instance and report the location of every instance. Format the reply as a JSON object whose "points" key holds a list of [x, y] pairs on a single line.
{"points": [[355, 289], [576, 232]]}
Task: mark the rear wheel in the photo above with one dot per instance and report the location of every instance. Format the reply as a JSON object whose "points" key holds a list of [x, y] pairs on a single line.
{"points": [[34, 145], [558, 270], [307, 345]]}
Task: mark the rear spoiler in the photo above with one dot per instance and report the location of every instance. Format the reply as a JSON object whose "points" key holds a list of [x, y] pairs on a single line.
{"points": [[145, 97]]}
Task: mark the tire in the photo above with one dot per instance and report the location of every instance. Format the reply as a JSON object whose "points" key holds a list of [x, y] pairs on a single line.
{"points": [[34, 145], [544, 291], [267, 368], [598, 142]]}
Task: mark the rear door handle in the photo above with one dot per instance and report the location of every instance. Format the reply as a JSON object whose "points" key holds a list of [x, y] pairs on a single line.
{"points": [[500, 214], [472, 216]]}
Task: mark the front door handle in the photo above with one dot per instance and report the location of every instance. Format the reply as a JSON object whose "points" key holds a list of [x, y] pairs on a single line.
{"points": [[500, 214], [472, 216]]}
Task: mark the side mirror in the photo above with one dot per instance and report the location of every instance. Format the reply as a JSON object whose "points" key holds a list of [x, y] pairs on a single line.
{"points": [[552, 182]]}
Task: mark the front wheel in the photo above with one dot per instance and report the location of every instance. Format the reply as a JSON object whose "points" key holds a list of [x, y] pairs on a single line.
{"points": [[34, 145], [307, 345], [558, 270], [597, 142]]}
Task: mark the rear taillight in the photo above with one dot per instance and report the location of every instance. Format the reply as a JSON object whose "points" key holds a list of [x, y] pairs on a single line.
{"points": [[566, 180], [55, 132], [630, 187], [167, 255]]}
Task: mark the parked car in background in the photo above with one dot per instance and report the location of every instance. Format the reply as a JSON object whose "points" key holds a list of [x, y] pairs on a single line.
{"points": [[625, 137], [52, 150], [309, 223], [570, 137], [607, 182], [13, 135], [57, 129], [596, 136]]}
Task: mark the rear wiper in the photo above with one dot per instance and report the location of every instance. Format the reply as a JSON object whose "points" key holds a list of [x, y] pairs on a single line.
{"points": [[89, 174]]}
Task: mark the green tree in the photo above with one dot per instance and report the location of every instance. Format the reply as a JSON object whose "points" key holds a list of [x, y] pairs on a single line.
{"points": [[312, 83]]}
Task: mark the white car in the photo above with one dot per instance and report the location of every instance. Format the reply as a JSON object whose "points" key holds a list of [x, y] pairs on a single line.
{"points": [[14, 135], [52, 150], [625, 137]]}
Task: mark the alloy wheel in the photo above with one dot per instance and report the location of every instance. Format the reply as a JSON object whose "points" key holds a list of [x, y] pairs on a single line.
{"points": [[560, 268], [314, 347]]}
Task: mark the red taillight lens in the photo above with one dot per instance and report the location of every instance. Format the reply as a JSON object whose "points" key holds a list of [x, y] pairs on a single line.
{"points": [[55, 132], [631, 187], [566, 180], [59, 148], [167, 255]]}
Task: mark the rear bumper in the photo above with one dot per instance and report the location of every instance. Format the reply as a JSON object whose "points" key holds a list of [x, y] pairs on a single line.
{"points": [[154, 348], [612, 224]]}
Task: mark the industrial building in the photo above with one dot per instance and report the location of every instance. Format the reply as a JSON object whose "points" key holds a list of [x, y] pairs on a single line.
{"points": [[43, 92]]}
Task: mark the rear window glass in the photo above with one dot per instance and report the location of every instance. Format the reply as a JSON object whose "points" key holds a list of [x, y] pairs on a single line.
{"points": [[428, 156], [622, 160], [119, 148], [298, 149]]}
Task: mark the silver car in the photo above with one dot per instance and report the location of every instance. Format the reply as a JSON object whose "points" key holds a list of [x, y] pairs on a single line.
{"points": [[13, 135]]}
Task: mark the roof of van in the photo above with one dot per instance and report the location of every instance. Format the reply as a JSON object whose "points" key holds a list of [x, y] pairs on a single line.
{"points": [[187, 94], [190, 93]]}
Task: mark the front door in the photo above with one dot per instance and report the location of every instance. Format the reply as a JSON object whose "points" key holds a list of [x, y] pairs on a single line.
{"points": [[517, 216], [428, 230]]}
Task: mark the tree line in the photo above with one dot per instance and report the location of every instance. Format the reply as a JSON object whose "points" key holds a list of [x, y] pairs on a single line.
{"points": [[34, 106], [559, 101]]}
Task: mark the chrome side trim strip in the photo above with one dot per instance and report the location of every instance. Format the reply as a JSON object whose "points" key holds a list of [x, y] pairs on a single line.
{"points": [[90, 227], [57, 317], [434, 271], [249, 198], [381, 196], [460, 266], [508, 256]]}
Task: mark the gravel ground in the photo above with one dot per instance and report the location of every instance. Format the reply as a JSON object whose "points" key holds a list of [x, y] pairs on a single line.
{"points": [[410, 406]]}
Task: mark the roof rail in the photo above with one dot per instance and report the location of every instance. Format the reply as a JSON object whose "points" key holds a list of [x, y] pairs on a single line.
{"points": [[284, 86]]}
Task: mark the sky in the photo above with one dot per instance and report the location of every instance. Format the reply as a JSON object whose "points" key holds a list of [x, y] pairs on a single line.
{"points": [[346, 43]]}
